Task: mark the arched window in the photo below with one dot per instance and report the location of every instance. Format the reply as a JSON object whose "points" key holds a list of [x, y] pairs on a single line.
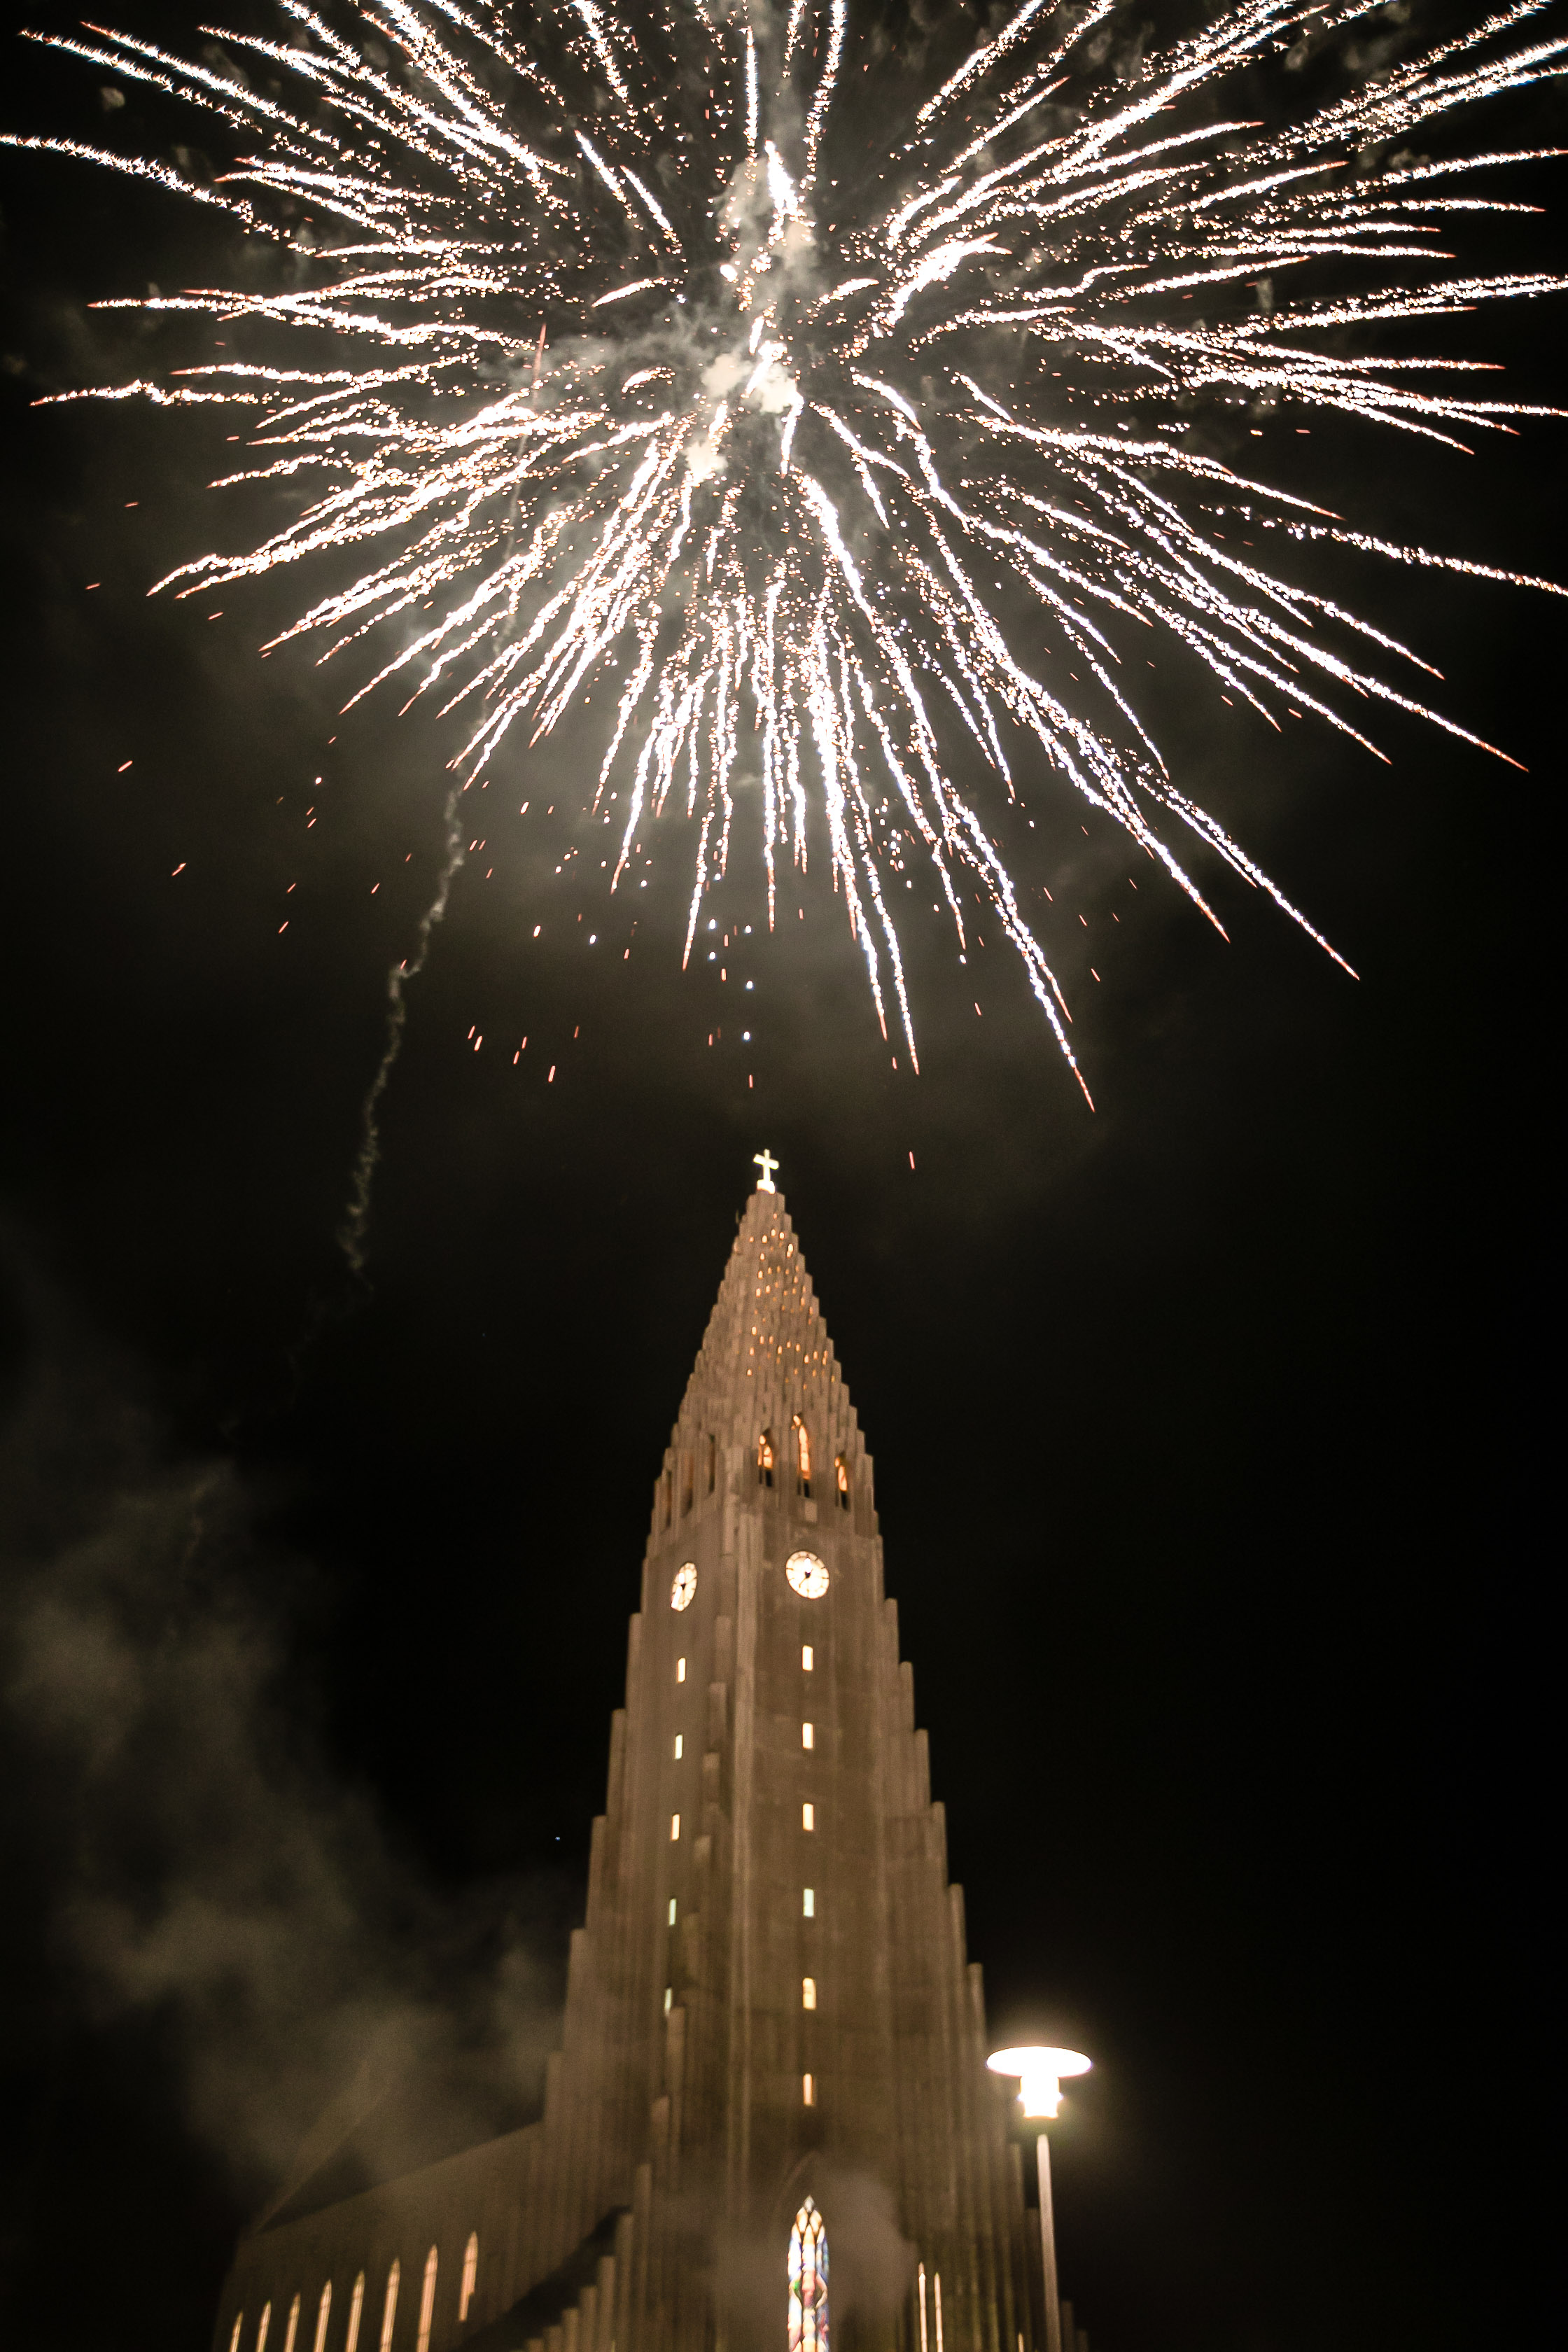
{"points": [[428, 2302], [688, 1475], [293, 2326], [323, 2314], [239, 2324], [351, 2342], [266, 2323], [841, 1482], [802, 1454], [389, 2307], [808, 2282], [765, 1458], [470, 2274], [712, 1464]]}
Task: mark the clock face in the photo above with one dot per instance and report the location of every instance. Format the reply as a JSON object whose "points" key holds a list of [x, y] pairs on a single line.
{"points": [[807, 1574], [684, 1586]]}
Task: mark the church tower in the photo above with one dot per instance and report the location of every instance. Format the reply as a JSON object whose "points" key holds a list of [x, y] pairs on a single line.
{"points": [[769, 2127]]}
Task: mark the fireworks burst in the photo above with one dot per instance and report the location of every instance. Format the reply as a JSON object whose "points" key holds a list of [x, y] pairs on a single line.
{"points": [[627, 354]]}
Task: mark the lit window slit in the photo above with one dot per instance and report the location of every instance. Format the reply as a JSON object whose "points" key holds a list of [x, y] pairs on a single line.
{"points": [[808, 1817], [674, 1827], [808, 1993], [808, 1903], [808, 1734]]}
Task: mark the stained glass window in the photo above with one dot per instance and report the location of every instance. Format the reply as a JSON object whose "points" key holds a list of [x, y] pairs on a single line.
{"points": [[808, 2282]]}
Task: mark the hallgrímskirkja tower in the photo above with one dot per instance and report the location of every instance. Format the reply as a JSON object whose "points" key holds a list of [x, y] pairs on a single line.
{"points": [[769, 2127]]}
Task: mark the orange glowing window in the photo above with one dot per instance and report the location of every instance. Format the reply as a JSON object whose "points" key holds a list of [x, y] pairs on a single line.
{"points": [[351, 2341], [802, 1453], [808, 1993], [765, 1458], [470, 2276], [324, 2317], [261, 2330], [389, 2307], [293, 2326], [841, 1482], [428, 2302]]}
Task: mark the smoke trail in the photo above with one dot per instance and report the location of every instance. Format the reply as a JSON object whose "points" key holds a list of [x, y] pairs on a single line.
{"points": [[351, 1236]]}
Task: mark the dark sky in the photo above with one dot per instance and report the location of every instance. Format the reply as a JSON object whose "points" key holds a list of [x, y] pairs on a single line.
{"points": [[1204, 1425]]}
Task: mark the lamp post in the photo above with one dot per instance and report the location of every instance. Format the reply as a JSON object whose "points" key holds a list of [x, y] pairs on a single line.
{"points": [[1040, 2074]]}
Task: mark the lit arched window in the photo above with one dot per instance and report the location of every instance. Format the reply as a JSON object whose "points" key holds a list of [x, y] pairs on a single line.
{"points": [[808, 2282], [266, 2323], [293, 2326], [428, 2302], [765, 1458], [841, 1481], [351, 2341], [389, 2308], [239, 2324], [802, 1453], [323, 2314], [470, 2274]]}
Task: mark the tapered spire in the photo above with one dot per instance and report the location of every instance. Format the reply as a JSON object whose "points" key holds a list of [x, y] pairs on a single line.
{"points": [[766, 1368]]}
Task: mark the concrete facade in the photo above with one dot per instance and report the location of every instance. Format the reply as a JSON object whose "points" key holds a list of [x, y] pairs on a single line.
{"points": [[770, 1997]]}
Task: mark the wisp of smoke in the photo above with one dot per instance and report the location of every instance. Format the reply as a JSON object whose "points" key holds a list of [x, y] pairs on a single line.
{"points": [[685, 346], [206, 1867]]}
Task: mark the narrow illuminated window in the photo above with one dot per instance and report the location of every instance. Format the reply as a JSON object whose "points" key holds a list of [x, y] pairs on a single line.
{"points": [[765, 1458], [389, 2307], [674, 1827], [841, 1482], [234, 2333], [809, 1904], [936, 2284], [808, 1817], [807, 1658], [470, 2276], [808, 2282], [680, 1739], [672, 1910], [668, 1996], [808, 1734], [808, 2091], [266, 2323], [323, 2314], [428, 2302], [293, 2326], [808, 1993], [802, 1454], [925, 2346], [351, 2342], [680, 1670]]}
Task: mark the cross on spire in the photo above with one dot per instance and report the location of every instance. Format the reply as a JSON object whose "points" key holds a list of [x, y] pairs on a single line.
{"points": [[764, 1160]]}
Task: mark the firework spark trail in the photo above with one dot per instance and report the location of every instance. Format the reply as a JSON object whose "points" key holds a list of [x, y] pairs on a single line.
{"points": [[863, 478], [351, 1233]]}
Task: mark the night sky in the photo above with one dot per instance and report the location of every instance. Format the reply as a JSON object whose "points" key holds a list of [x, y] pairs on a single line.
{"points": [[1205, 1424]]}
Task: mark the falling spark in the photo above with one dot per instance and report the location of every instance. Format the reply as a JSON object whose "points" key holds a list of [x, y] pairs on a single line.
{"points": [[860, 413]]}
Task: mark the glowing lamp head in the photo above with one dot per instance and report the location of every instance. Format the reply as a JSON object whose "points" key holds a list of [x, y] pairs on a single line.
{"points": [[1041, 2074]]}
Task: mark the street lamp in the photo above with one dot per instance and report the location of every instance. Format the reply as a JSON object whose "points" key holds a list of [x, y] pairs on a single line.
{"points": [[1041, 2074]]}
